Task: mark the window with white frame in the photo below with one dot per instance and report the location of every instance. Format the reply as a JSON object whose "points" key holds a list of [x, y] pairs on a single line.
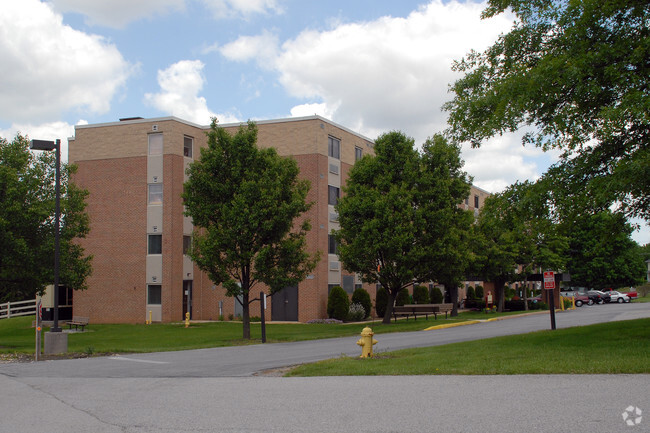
{"points": [[188, 143], [155, 144], [154, 244], [334, 147], [154, 294], [358, 153], [155, 193], [333, 195]]}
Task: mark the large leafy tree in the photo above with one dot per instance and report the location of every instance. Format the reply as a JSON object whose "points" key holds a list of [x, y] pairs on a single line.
{"points": [[27, 194], [602, 252], [396, 210], [245, 203], [516, 234], [576, 75]]}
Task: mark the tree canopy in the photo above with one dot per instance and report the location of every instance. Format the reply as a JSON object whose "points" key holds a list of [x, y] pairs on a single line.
{"points": [[27, 194], [245, 203], [399, 216], [602, 253], [576, 75]]}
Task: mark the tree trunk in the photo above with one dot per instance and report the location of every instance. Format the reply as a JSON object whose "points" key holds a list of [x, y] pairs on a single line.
{"points": [[526, 293], [499, 294], [246, 315], [453, 297], [389, 307]]}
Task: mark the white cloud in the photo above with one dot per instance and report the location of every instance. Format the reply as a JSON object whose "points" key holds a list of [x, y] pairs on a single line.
{"points": [[45, 131], [393, 73], [242, 8], [118, 13], [262, 48], [311, 109], [49, 68], [180, 85]]}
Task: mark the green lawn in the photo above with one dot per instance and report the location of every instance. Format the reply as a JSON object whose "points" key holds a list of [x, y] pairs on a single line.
{"points": [[17, 335], [615, 347]]}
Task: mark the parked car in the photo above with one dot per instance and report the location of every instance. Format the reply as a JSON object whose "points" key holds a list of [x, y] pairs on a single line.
{"points": [[581, 299], [631, 293], [618, 297], [598, 297]]}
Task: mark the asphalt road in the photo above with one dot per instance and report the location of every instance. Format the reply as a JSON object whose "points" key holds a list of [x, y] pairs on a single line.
{"points": [[216, 390]]}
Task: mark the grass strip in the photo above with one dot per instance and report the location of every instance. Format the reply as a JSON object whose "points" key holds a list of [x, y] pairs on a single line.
{"points": [[17, 334], [614, 347]]}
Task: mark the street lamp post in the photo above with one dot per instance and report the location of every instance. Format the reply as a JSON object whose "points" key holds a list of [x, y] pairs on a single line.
{"points": [[54, 145]]}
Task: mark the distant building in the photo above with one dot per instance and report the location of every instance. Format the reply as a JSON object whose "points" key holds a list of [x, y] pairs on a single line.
{"points": [[134, 170]]}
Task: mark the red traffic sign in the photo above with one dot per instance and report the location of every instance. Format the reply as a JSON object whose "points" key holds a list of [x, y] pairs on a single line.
{"points": [[549, 280]]}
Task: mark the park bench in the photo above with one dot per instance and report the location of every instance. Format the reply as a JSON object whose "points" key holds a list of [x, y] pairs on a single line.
{"points": [[78, 321], [422, 310]]}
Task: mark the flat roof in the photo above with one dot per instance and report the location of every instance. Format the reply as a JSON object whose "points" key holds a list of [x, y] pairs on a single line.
{"points": [[130, 121]]}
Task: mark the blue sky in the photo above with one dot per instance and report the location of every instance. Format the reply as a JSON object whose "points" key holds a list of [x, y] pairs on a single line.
{"points": [[372, 66]]}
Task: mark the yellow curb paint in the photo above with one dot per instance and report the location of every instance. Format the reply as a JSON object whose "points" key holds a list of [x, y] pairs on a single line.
{"points": [[452, 325]]}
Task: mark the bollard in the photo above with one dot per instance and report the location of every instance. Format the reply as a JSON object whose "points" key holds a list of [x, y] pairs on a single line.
{"points": [[187, 319]]}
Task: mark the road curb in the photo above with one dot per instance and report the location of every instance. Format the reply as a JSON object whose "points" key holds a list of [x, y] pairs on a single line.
{"points": [[474, 322]]}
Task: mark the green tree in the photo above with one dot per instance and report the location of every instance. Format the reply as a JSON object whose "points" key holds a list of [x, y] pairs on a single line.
{"points": [[27, 194], [338, 303], [421, 295], [244, 202], [396, 211], [576, 75], [603, 253]]}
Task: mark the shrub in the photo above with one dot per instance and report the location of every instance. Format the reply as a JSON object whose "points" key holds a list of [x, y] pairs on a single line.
{"points": [[361, 296], [436, 296], [381, 301], [471, 294], [338, 303], [356, 312], [421, 295], [514, 305], [324, 321], [475, 304], [479, 292], [403, 297]]}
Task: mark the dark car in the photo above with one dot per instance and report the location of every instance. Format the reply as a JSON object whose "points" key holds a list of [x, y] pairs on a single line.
{"points": [[599, 297]]}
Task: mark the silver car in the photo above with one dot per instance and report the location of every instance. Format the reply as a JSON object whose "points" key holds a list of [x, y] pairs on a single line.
{"points": [[618, 297]]}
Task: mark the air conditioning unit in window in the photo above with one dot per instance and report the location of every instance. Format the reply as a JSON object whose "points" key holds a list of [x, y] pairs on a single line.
{"points": [[154, 128], [334, 169], [334, 266]]}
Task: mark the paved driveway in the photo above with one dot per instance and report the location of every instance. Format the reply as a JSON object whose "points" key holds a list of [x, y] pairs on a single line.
{"points": [[215, 390]]}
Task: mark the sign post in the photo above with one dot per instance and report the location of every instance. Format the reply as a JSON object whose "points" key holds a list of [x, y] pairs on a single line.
{"points": [[39, 319], [549, 284], [263, 307]]}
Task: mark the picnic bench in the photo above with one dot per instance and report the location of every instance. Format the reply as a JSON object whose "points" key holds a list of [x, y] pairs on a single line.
{"points": [[422, 310], [78, 321]]}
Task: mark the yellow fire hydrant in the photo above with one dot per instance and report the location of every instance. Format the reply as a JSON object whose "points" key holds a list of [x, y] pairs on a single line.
{"points": [[187, 319], [366, 342]]}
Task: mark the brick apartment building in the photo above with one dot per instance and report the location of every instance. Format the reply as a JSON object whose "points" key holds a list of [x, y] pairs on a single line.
{"points": [[134, 170]]}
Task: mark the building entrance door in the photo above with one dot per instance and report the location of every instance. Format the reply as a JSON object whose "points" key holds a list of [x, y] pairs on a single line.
{"points": [[284, 305], [187, 298]]}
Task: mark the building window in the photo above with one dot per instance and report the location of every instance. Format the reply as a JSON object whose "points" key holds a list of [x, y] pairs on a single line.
{"points": [[154, 294], [187, 244], [188, 142], [155, 244], [467, 201], [333, 195], [155, 144], [155, 193], [476, 201], [358, 153], [334, 147], [333, 245]]}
